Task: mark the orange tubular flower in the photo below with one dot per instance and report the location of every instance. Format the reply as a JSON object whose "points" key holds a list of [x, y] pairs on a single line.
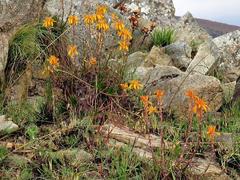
{"points": [[119, 26], [73, 20], [145, 100], [101, 9], [48, 22], [124, 86], [135, 85], [93, 61], [102, 25], [72, 51], [191, 95], [89, 19], [53, 61], [159, 94], [151, 110], [125, 34], [211, 132], [123, 46]]}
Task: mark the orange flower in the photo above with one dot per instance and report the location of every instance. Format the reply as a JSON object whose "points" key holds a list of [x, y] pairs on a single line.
{"points": [[159, 94], [73, 20], [125, 34], [48, 22], [119, 26], [200, 104], [89, 19], [145, 100], [72, 51], [53, 61], [211, 132], [151, 110], [135, 85], [93, 61], [124, 86], [101, 9], [191, 95], [114, 17], [102, 25], [123, 46]]}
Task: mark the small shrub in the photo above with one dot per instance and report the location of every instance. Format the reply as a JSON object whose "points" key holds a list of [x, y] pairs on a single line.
{"points": [[32, 131], [163, 37]]}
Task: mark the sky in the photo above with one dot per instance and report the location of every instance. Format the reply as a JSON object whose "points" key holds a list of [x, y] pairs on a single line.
{"points": [[226, 11]]}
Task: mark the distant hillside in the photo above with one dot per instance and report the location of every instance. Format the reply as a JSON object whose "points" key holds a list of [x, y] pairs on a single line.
{"points": [[216, 28]]}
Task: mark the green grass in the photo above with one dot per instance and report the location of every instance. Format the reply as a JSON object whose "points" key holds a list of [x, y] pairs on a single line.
{"points": [[163, 37]]}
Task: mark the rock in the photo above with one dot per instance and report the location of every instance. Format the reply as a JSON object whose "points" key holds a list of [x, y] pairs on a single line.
{"points": [[225, 141], [229, 45], [180, 52], [175, 87], [81, 8], [6, 126], [228, 91], [205, 169], [75, 156], [157, 56], [160, 73], [236, 94], [126, 136], [13, 14], [189, 31], [160, 11], [206, 59]]}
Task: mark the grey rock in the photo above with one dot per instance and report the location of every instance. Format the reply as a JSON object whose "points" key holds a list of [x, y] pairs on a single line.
{"points": [[229, 46], [188, 30], [228, 90], [180, 52], [6, 126], [176, 86], [157, 56], [206, 59]]}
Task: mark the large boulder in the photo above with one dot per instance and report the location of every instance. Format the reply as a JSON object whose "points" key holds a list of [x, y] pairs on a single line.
{"points": [[180, 52], [229, 46], [189, 31], [206, 59], [13, 14], [176, 84]]}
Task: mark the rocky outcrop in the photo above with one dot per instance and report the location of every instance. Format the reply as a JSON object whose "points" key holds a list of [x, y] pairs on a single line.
{"points": [[12, 15], [229, 46], [180, 52], [206, 59], [176, 85], [189, 31]]}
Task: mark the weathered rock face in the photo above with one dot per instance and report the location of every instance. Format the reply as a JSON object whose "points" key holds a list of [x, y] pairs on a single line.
{"points": [[157, 56], [189, 31], [180, 52], [14, 13], [160, 11], [176, 85], [229, 45], [206, 59]]}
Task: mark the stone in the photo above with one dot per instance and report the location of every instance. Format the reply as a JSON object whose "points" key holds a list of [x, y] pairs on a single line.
{"points": [[175, 101], [13, 14], [75, 156], [7, 126], [229, 45], [189, 31], [225, 141], [206, 169], [180, 52], [206, 60], [160, 73], [157, 56]]}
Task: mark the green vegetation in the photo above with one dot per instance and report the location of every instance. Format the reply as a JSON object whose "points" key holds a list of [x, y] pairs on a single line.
{"points": [[163, 37]]}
